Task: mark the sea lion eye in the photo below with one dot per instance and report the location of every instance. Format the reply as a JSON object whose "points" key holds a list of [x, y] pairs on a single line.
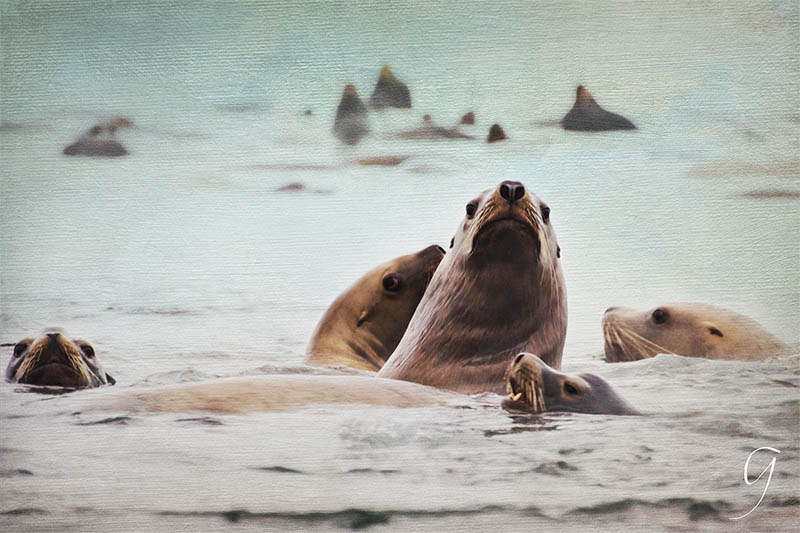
{"points": [[558, 252], [545, 213], [20, 348], [715, 331], [471, 208], [391, 283], [660, 316], [87, 350], [570, 389], [452, 242]]}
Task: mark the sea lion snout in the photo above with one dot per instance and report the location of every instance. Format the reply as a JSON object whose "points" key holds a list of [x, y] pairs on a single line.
{"points": [[53, 336], [511, 191]]}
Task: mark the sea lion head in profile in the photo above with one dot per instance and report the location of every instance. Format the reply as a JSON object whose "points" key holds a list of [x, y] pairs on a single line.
{"points": [[101, 141], [363, 325], [533, 386], [689, 329], [587, 115], [497, 292], [53, 360]]}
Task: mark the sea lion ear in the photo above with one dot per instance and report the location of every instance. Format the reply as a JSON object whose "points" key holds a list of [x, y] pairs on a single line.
{"points": [[452, 241], [362, 317], [713, 329], [110, 380]]}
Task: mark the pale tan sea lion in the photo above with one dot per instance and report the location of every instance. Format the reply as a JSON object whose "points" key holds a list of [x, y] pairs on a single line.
{"points": [[101, 140], [389, 91], [533, 386], [362, 327], [282, 392], [497, 292], [587, 115], [689, 329], [53, 360], [350, 124]]}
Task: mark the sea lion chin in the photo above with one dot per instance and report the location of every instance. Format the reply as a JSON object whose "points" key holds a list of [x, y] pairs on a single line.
{"points": [[498, 291]]}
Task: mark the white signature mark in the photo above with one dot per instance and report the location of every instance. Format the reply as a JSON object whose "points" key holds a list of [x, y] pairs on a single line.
{"points": [[771, 468]]}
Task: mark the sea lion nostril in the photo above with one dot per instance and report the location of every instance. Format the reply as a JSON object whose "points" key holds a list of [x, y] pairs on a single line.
{"points": [[511, 191], [505, 191], [54, 336], [519, 192]]}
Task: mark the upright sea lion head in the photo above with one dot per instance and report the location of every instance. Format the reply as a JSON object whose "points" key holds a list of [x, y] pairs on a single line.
{"points": [[533, 386], [689, 329], [363, 325], [498, 291], [53, 360]]}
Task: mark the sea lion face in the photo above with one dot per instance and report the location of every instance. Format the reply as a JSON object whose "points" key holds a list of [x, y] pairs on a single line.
{"points": [[533, 386], [53, 360], [506, 225], [689, 329], [362, 327]]}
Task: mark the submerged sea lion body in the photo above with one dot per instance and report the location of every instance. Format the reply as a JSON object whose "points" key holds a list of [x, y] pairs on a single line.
{"points": [[101, 140], [497, 292], [587, 115], [430, 131], [535, 387], [389, 92], [689, 329], [350, 124], [53, 360], [362, 327]]}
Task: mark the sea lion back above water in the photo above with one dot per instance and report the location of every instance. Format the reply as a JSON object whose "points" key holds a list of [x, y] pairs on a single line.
{"points": [[688, 329], [53, 360], [362, 327], [497, 292]]}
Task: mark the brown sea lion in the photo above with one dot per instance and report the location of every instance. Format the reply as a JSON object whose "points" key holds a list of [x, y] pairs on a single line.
{"points": [[533, 386], [350, 124], [586, 115], [689, 329], [280, 392], [53, 360], [101, 140], [467, 119], [499, 291], [429, 130], [363, 325], [389, 92], [496, 133]]}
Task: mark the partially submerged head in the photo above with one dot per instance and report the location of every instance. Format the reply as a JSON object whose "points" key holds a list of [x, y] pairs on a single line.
{"points": [[533, 386], [363, 325], [53, 360], [689, 329]]}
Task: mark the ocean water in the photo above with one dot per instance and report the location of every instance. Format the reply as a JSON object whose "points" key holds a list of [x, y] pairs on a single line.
{"points": [[183, 262]]}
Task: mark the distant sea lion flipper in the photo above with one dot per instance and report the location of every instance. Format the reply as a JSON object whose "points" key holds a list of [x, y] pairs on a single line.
{"points": [[587, 115]]}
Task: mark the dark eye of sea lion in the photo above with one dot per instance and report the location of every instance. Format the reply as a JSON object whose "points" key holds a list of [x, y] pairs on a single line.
{"points": [[471, 208], [570, 389], [715, 331], [660, 316], [452, 242], [87, 350], [392, 283], [20, 348], [545, 213], [558, 252]]}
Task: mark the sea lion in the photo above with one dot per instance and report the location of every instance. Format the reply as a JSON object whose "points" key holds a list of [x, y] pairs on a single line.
{"points": [[533, 386], [496, 133], [499, 291], [689, 329], [363, 325], [467, 119], [53, 360], [271, 393], [101, 140], [429, 130], [587, 115], [389, 92], [350, 124]]}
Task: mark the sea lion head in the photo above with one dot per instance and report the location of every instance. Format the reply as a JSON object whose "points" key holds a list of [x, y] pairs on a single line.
{"points": [[363, 325], [533, 386], [497, 292], [689, 329], [53, 360]]}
